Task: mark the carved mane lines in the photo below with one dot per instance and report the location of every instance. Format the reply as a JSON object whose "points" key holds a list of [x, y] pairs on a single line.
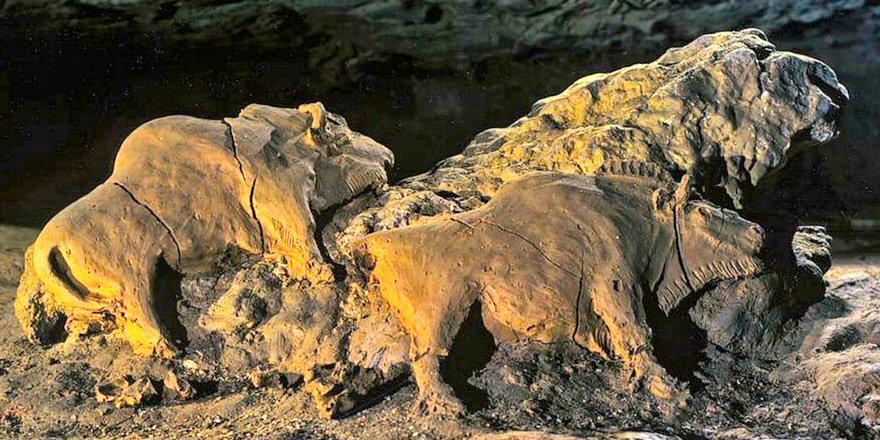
{"points": [[288, 238], [634, 168]]}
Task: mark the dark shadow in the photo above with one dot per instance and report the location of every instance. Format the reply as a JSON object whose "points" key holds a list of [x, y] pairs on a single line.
{"points": [[322, 220], [204, 388], [166, 294], [290, 380], [471, 350], [54, 330], [433, 14], [798, 288], [375, 396], [679, 344]]}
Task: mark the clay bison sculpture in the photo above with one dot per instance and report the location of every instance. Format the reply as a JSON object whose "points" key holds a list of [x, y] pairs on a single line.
{"points": [[557, 257], [184, 192]]}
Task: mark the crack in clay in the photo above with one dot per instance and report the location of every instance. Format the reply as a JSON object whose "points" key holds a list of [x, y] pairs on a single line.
{"points": [[762, 70], [158, 219], [254, 215], [655, 289], [837, 96], [233, 146], [677, 230], [468, 225], [517, 234], [577, 304], [324, 219]]}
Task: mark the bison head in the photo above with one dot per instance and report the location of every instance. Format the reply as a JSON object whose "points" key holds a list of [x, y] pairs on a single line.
{"points": [[349, 162], [710, 244]]}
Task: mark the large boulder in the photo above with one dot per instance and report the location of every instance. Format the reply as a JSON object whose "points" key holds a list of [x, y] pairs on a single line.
{"points": [[727, 109]]}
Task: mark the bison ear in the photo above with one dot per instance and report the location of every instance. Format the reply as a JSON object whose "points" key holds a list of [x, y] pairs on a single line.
{"points": [[663, 202], [317, 119], [684, 190]]}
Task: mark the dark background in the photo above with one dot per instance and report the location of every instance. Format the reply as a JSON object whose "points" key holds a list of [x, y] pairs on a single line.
{"points": [[422, 78]]}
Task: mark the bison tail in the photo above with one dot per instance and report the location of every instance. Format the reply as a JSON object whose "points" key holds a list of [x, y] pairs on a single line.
{"points": [[52, 269]]}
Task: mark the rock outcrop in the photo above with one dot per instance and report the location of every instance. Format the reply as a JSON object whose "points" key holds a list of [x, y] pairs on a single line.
{"points": [[703, 109], [837, 360], [433, 31], [601, 217], [700, 111]]}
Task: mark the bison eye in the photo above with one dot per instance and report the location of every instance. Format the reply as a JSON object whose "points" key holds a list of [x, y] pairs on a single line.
{"points": [[334, 150], [705, 211]]}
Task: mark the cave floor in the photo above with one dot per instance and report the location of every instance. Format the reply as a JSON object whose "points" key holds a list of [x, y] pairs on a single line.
{"points": [[49, 392]]}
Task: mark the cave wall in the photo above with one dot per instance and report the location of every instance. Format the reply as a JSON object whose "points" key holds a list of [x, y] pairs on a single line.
{"points": [[421, 77]]}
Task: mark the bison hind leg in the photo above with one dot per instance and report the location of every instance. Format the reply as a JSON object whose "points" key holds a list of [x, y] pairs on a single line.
{"points": [[151, 322], [166, 288], [41, 319], [444, 387], [435, 396]]}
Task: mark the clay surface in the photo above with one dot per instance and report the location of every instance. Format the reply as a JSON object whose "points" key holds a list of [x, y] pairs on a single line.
{"points": [[695, 111]]}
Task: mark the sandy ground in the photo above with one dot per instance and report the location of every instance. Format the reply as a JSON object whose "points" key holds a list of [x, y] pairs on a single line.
{"points": [[48, 392]]}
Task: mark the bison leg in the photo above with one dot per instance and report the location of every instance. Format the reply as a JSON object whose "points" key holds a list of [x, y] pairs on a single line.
{"points": [[435, 396], [147, 303], [90, 294], [97, 261], [626, 334], [429, 344]]}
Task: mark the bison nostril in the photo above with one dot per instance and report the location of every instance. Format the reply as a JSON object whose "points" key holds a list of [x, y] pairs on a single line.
{"points": [[334, 150], [757, 234]]}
